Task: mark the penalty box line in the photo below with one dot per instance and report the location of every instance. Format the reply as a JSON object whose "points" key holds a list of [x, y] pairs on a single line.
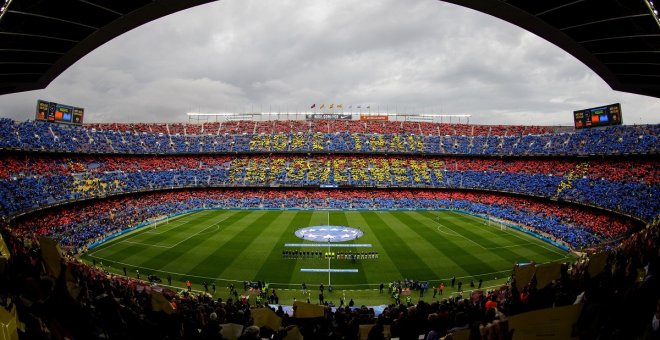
{"points": [[128, 239]]}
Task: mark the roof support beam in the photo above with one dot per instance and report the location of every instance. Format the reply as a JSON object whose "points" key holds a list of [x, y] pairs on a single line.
{"points": [[53, 18], [604, 20]]}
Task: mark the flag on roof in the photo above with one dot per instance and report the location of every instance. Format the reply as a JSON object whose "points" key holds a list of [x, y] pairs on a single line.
{"points": [[331, 106], [313, 106], [320, 107]]}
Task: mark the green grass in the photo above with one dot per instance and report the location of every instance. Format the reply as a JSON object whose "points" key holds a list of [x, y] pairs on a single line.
{"points": [[226, 246]]}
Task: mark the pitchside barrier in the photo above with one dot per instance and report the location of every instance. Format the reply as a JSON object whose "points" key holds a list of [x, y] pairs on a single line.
{"points": [[485, 217]]}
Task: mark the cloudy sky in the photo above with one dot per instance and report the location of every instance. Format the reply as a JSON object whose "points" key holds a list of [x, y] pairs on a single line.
{"points": [[416, 56]]}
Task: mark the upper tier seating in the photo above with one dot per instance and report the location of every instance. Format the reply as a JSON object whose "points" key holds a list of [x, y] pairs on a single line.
{"points": [[249, 136]]}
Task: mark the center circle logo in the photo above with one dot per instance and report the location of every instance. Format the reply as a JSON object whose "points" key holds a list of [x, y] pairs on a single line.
{"points": [[328, 233]]}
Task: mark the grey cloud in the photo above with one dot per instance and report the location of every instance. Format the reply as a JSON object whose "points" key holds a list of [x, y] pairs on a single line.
{"points": [[285, 55]]}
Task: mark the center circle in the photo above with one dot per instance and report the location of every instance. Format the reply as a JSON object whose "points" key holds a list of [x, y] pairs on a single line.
{"points": [[328, 233]]}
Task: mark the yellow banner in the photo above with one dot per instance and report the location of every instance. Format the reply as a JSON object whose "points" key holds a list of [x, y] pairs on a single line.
{"points": [[8, 324], [546, 324], [266, 317], [160, 303], [545, 273], [52, 255], [293, 333], [307, 310], [597, 263], [4, 251], [524, 274], [231, 331]]}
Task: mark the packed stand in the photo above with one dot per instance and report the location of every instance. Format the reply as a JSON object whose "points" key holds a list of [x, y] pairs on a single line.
{"points": [[319, 136], [103, 305], [76, 226], [29, 182]]}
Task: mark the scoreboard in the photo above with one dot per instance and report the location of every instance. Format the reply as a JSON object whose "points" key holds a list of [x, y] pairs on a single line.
{"points": [[59, 113], [598, 116]]}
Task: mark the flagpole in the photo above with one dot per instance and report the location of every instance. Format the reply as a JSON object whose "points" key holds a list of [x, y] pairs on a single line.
{"points": [[329, 250]]}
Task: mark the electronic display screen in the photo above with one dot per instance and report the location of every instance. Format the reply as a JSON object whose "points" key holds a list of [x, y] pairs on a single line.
{"points": [[598, 116]]}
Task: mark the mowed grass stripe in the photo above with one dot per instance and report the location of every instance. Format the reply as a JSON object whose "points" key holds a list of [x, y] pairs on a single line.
{"points": [[408, 242], [457, 216], [269, 246], [183, 256], [276, 269], [383, 269], [460, 250], [518, 249], [175, 260], [204, 264], [119, 242], [462, 256], [497, 236], [156, 260], [261, 247], [132, 256], [124, 249], [235, 244], [340, 218], [467, 228], [317, 218], [530, 242], [443, 259], [405, 258], [195, 223], [169, 224], [528, 247], [412, 232]]}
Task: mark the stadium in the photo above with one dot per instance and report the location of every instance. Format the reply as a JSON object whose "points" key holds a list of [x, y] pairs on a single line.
{"points": [[332, 223]]}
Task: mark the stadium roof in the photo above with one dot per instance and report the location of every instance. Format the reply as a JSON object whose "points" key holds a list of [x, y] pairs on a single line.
{"points": [[39, 39], [617, 39]]}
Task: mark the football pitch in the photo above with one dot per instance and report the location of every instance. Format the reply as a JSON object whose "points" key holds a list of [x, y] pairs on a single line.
{"points": [[233, 246]]}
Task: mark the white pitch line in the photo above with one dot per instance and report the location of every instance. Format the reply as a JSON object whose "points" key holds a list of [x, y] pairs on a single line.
{"points": [[459, 234], [446, 233], [143, 244], [217, 224], [532, 240], [135, 233], [511, 246], [181, 218]]}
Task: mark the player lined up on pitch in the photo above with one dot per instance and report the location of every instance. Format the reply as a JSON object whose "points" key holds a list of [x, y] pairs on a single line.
{"points": [[360, 255], [296, 254], [342, 255]]}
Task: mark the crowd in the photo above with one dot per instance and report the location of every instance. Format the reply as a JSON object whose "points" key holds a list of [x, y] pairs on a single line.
{"points": [[343, 136], [627, 185], [617, 302], [323, 126], [123, 175], [77, 225]]}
